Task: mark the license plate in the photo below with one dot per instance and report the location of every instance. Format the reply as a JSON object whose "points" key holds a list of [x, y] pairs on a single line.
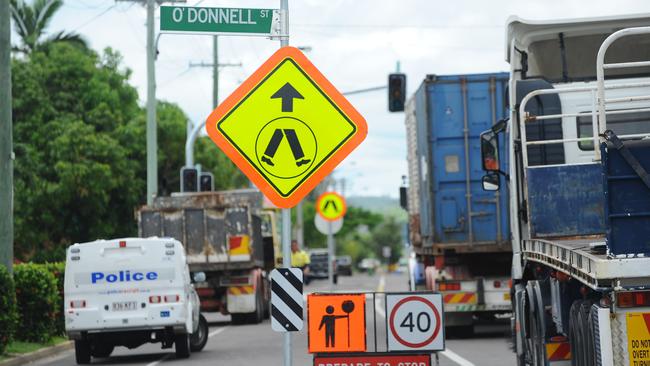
{"points": [[506, 296], [125, 306]]}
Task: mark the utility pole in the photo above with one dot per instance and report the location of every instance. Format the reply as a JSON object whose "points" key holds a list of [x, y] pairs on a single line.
{"points": [[152, 138], [6, 142], [215, 65]]}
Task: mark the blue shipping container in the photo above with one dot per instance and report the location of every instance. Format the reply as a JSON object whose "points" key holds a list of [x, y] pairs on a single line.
{"points": [[451, 113]]}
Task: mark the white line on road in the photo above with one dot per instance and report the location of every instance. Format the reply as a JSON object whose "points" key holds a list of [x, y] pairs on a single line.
{"points": [[167, 356], [212, 334], [453, 356], [161, 360]]}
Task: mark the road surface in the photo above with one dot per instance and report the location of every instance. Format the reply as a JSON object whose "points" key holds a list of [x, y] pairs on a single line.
{"points": [[247, 345]]}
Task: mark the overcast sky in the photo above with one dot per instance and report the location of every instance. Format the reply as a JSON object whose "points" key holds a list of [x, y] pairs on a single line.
{"points": [[355, 43]]}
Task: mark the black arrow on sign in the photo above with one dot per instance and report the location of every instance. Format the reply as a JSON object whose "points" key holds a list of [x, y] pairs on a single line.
{"points": [[331, 202], [288, 93]]}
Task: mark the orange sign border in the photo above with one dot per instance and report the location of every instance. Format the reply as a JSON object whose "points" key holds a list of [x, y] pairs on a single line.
{"points": [[365, 323], [322, 197], [245, 89]]}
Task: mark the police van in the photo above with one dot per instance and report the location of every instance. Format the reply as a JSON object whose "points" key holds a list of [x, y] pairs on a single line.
{"points": [[127, 292]]}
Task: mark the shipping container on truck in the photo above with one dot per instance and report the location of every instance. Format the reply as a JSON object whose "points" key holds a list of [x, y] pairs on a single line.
{"points": [[459, 232], [230, 237], [579, 190]]}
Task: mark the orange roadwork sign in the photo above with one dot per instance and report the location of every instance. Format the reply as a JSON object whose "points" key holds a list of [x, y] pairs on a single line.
{"points": [[337, 323], [286, 127]]}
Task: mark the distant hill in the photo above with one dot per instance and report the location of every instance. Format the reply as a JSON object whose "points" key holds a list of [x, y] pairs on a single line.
{"points": [[384, 205]]}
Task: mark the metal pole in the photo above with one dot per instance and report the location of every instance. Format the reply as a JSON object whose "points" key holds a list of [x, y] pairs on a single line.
{"points": [[330, 254], [215, 71], [152, 140], [6, 142], [300, 237], [286, 213]]}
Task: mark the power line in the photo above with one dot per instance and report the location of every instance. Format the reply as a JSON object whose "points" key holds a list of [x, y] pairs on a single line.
{"points": [[94, 18], [392, 26]]}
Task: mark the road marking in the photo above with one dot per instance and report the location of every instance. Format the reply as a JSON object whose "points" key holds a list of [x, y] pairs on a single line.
{"points": [[212, 334], [452, 356], [456, 358], [167, 356], [161, 360]]}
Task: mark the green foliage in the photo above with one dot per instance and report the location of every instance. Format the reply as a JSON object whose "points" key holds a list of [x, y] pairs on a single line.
{"points": [[75, 178], [8, 315], [37, 301], [58, 270], [31, 20], [388, 234]]}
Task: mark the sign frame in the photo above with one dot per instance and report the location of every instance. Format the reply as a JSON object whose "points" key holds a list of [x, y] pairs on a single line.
{"points": [[325, 195], [373, 354], [325, 165], [389, 316]]}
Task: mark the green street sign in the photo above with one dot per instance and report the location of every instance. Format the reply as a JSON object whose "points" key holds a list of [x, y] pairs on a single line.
{"points": [[186, 19]]}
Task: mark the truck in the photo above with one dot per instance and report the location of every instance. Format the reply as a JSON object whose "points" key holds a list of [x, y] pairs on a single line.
{"points": [[459, 233], [231, 236], [577, 156]]}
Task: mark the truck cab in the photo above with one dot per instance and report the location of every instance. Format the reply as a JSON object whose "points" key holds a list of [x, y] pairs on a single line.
{"points": [[127, 292], [579, 99]]}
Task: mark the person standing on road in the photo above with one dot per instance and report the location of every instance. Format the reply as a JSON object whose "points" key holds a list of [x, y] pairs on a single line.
{"points": [[300, 259]]}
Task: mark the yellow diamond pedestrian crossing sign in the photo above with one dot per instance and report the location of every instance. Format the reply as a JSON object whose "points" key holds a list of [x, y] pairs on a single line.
{"points": [[286, 127]]}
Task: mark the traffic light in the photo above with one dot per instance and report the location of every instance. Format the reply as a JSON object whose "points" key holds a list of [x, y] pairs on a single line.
{"points": [[206, 183], [396, 92], [189, 179]]}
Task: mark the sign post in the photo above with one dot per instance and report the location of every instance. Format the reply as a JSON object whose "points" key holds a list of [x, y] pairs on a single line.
{"points": [[331, 207], [330, 254]]}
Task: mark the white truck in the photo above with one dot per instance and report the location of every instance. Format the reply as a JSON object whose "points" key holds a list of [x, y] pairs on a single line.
{"points": [[127, 292], [577, 152]]}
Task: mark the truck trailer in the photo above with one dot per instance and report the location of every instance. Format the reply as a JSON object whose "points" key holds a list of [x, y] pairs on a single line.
{"points": [[228, 235], [576, 178], [459, 233]]}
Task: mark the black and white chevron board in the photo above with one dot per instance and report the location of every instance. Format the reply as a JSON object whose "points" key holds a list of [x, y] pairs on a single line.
{"points": [[286, 300]]}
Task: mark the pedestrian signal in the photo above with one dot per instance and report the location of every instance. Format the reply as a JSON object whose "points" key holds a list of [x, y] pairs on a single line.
{"points": [[337, 322], [189, 179], [396, 92]]}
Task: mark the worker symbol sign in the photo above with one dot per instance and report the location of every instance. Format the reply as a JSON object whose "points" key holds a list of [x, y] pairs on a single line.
{"points": [[337, 322], [286, 127], [414, 322], [331, 206]]}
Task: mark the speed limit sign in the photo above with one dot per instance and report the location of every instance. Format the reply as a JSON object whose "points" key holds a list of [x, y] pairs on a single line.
{"points": [[415, 322]]}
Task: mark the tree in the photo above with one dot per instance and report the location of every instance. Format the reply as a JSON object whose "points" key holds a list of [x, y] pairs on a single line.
{"points": [[31, 21], [75, 179]]}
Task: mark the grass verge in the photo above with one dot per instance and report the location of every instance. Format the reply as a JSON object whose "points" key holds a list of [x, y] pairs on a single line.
{"points": [[18, 348]]}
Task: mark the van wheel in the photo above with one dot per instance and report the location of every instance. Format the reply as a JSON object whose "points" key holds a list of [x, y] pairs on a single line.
{"points": [[238, 319], [182, 343], [257, 316], [82, 352], [200, 337], [102, 350]]}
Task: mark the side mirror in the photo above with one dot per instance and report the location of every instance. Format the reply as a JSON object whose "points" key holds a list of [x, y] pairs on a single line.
{"points": [[199, 277], [490, 182], [490, 151]]}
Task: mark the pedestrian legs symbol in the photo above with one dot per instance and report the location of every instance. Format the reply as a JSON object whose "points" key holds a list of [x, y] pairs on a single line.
{"points": [[294, 144]]}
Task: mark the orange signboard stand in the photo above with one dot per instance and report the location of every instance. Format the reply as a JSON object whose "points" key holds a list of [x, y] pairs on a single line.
{"points": [[337, 323]]}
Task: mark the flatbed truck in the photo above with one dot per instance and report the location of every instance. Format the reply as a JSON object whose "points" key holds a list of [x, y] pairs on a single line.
{"points": [[577, 153]]}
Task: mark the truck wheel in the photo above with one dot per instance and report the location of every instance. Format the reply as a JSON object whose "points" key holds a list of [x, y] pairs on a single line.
{"points": [[102, 350], [199, 338], [586, 333], [257, 316], [82, 352], [182, 345]]}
